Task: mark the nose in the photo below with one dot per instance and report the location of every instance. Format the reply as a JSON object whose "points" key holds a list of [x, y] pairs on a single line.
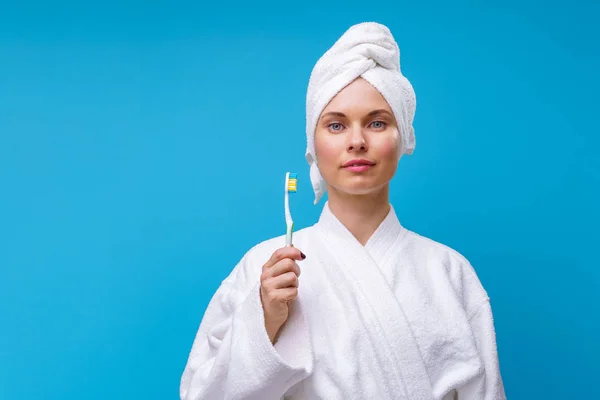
{"points": [[357, 141]]}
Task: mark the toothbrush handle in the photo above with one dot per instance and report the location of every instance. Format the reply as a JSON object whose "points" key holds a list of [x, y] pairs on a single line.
{"points": [[288, 236]]}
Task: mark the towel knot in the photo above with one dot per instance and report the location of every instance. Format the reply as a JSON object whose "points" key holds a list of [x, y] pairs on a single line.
{"points": [[368, 40]]}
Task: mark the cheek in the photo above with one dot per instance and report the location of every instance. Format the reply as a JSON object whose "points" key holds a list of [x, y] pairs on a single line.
{"points": [[387, 148], [327, 152]]}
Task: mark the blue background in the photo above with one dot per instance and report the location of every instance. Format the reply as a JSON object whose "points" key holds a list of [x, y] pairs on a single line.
{"points": [[143, 146]]}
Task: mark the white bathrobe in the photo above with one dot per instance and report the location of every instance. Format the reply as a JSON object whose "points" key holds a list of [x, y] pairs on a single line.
{"points": [[403, 317]]}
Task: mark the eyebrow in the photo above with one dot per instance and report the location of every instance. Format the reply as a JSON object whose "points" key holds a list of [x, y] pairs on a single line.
{"points": [[380, 111], [342, 115]]}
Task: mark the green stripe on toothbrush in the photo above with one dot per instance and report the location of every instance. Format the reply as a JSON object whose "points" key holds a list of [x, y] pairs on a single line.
{"points": [[289, 233]]}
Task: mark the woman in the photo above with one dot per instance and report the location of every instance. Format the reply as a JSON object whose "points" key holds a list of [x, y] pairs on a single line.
{"points": [[381, 312]]}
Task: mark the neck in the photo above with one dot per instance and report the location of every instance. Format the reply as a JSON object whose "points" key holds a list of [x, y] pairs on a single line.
{"points": [[360, 214]]}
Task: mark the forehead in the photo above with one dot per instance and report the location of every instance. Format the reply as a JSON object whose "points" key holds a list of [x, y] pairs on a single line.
{"points": [[358, 96]]}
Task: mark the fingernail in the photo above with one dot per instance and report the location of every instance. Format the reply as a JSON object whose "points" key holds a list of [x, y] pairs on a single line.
{"points": [[302, 255]]}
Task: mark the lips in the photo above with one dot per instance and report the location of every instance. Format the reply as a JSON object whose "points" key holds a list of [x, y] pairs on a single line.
{"points": [[358, 163]]}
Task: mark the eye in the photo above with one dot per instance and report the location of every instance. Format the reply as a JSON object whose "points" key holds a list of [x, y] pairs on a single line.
{"points": [[378, 124], [335, 126]]}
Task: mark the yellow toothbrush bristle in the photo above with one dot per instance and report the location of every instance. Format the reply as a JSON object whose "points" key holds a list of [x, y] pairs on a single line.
{"points": [[292, 183]]}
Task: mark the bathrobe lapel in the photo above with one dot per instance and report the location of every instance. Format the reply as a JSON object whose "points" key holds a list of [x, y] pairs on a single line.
{"points": [[362, 268]]}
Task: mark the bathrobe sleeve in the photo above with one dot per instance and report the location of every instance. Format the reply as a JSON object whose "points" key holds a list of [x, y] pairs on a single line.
{"points": [[488, 384], [232, 356]]}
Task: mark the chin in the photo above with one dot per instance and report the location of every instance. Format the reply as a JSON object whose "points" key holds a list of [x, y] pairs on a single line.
{"points": [[360, 189]]}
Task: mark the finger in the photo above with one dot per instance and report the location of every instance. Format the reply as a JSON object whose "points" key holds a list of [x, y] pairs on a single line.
{"points": [[273, 284], [287, 294], [284, 252], [289, 279], [283, 266]]}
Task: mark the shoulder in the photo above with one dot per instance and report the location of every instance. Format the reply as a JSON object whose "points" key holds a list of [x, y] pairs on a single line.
{"points": [[444, 260], [435, 251]]}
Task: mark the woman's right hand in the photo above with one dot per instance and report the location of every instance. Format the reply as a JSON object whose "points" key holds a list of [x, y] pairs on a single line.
{"points": [[279, 287]]}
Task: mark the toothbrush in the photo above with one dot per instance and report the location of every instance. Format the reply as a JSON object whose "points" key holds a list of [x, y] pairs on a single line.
{"points": [[291, 182]]}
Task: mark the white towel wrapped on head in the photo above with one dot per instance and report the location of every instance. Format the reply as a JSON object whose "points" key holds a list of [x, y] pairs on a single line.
{"points": [[366, 50]]}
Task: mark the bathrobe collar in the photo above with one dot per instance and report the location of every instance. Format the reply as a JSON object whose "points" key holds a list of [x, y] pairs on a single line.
{"points": [[380, 241]]}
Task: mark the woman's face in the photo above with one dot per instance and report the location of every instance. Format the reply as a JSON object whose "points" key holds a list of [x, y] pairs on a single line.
{"points": [[356, 141]]}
